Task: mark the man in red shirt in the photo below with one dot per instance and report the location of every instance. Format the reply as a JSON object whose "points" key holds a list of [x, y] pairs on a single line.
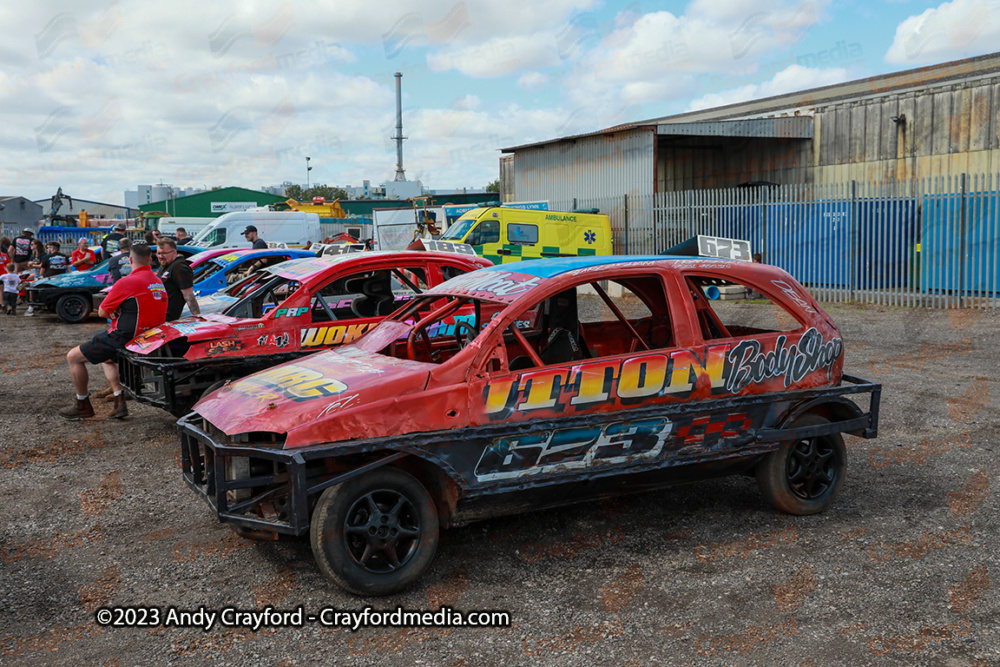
{"points": [[136, 303], [83, 258]]}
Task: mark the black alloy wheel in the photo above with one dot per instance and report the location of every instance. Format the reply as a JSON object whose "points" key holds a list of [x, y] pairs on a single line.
{"points": [[804, 475]]}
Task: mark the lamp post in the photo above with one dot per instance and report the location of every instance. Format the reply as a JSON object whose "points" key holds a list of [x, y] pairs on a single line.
{"points": [[308, 169]]}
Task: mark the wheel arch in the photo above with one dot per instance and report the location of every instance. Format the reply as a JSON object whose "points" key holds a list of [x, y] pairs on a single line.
{"points": [[833, 408], [442, 486], [441, 482]]}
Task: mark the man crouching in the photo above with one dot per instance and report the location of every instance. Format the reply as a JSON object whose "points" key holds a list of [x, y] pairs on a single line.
{"points": [[135, 303]]}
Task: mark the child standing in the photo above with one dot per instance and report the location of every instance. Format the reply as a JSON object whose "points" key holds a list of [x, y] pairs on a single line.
{"points": [[11, 284]]}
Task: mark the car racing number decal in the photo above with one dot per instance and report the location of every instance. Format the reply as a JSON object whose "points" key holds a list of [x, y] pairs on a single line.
{"points": [[570, 449], [338, 334], [296, 383]]}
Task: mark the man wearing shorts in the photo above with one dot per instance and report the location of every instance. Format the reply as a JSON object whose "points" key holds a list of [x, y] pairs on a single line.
{"points": [[135, 303]]}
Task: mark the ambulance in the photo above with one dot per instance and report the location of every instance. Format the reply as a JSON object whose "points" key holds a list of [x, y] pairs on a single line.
{"points": [[504, 235]]}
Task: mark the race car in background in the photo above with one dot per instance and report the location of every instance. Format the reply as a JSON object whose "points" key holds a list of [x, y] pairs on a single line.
{"points": [[228, 267], [279, 313], [74, 295]]}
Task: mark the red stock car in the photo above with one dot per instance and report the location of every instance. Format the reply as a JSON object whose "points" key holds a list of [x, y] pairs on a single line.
{"points": [[280, 313], [574, 377]]}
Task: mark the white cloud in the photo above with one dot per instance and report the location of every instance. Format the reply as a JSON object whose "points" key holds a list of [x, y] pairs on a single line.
{"points": [[497, 57], [950, 31], [469, 102], [533, 81], [660, 56], [789, 80]]}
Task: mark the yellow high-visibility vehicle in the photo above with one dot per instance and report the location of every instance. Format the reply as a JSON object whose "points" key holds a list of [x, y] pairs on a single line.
{"points": [[505, 235]]}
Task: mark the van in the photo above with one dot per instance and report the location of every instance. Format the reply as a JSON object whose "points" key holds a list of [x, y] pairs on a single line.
{"points": [[168, 226], [293, 228], [505, 235]]}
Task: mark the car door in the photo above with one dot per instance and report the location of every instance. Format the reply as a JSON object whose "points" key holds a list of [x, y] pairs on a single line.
{"points": [[573, 362], [350, 303]]}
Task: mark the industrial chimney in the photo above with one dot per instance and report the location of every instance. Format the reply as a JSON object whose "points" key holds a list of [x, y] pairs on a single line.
{"points": [[400, 176]]}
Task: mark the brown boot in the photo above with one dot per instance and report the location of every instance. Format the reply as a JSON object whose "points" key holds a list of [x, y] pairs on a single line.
{"points": [[119, 410], [80, 410], [104, 393]]}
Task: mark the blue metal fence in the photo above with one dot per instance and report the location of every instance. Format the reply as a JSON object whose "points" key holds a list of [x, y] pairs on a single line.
{"points": [[933, 242]]}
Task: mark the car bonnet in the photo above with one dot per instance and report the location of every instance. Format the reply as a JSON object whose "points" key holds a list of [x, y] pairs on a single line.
{"points": [[204, 328], [313, 388]]}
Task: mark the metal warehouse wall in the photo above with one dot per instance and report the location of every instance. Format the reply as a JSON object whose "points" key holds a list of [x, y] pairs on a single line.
{"points": [[20, 213], [507, 178], [608, 165], [948, 130]]}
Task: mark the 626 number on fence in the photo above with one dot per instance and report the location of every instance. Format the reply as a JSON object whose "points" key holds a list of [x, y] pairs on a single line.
{"points": [[715, 246]]}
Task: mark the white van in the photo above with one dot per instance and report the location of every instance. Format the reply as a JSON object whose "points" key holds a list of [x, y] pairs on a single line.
{"points": [[168, 226], [293, 228]]}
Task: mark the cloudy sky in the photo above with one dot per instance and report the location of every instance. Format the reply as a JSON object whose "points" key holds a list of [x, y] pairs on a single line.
{"points": [[97, 97]]}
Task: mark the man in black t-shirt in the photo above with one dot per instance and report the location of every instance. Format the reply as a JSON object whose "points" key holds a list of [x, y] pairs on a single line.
{"points": [[21, 251], [110, 244], [178, 279], [250, 234], [55, 263], [119, 265]]}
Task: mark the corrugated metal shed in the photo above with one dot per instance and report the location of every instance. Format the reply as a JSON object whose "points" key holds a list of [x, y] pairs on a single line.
{"points": [[939, 120], [919, 79], [609, 165], [20, 212]]}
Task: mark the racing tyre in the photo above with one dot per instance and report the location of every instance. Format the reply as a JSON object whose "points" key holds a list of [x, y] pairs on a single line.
{"points": [[804, 475], [375, 534], [74, 308]]}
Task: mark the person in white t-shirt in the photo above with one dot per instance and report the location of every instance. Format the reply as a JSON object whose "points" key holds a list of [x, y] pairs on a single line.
{"points": [[11, 285]]}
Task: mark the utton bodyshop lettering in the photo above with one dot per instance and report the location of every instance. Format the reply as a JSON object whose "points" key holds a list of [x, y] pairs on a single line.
{"points": [[725, 368]]}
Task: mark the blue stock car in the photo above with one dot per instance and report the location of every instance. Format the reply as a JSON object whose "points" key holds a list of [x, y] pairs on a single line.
{"points": [[221, 271], [72, 295]]}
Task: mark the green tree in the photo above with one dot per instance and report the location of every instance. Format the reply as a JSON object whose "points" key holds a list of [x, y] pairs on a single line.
{"points": [[328, 192], [294, 192], [494, 186]]}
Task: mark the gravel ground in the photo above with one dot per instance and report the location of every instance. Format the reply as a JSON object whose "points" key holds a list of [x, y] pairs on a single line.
{"points": [[899, 570]]}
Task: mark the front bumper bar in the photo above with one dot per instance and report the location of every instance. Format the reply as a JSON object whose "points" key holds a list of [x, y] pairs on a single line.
{"points": [[176, 384]]}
